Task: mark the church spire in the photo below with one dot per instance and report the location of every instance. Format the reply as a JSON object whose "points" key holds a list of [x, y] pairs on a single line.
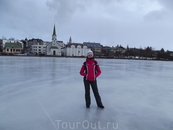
{"points": [[54, 31], [70, 40], [54, 34]]}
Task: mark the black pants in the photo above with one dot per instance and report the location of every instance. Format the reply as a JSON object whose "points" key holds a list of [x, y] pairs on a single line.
{"points": [[95, 91]]}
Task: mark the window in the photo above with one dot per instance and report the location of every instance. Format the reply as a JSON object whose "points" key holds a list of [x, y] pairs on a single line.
{"points": [[78, 46]]}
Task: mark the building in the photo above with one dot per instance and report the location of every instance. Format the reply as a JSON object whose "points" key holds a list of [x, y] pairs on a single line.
{"points": [[76, 49], [55, 47], [118, 49], [171, 54], [15, 48], [32, 42], [95, 47], [11, 40], [38, 49]]}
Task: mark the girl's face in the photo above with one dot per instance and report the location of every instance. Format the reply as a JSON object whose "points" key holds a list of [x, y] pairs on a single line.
{"points": [[90, 55]]}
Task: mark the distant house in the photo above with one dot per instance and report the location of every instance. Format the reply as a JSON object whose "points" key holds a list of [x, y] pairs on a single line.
{"points": [[32, 43], [171, 54], [13, 48], [11, 40], [76, 49], [95, 47], [119, 49], [39, 49], [113, 51]]}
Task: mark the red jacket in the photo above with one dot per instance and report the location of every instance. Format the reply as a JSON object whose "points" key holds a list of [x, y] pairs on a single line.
{"points": [[90, 70]]}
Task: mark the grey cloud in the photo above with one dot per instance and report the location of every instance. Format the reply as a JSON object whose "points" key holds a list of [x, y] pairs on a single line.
{"points": [[109, 22], [107, 2], [6, 7], [155, 16], [64, 9], [164, 14], [167, 4], [4, 4], [26, 18]]}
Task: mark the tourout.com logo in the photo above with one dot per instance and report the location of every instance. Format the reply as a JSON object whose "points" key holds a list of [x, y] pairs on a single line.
{"points": [[86, 125]]}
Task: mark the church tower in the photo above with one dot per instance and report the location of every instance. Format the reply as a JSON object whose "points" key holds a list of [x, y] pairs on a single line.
{"points": [[70, 40], [54, 47], [54, 37]]}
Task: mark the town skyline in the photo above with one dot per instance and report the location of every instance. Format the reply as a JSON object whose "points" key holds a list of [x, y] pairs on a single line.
{"points": [[153, 48], [58, 48]]}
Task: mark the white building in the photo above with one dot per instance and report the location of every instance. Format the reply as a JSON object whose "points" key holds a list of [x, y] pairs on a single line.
{"points": [[55, 47], [76, 49], [38, 49]]}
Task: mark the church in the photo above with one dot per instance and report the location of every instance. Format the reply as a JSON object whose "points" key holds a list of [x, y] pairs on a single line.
{"points": [[55, 47], [58, 48]]}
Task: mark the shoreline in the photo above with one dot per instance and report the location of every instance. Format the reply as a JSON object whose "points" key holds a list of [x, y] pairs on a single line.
{"points": [[85, 57]]}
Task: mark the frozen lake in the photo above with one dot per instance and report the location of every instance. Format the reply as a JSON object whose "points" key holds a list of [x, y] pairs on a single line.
{"points": [[47, 93]]}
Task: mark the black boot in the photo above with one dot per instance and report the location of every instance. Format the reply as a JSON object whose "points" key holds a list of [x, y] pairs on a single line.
{"points": [[101, 106], [87, 106]]}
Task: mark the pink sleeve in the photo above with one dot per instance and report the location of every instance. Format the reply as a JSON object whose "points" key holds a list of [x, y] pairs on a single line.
{"points": [[82, 71]]}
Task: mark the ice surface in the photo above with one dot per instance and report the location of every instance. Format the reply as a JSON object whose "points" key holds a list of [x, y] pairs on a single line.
{"points": [[47, 93]]}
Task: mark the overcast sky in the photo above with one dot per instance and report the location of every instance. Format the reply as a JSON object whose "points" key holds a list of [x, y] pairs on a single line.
{"points": [[136, 23]]}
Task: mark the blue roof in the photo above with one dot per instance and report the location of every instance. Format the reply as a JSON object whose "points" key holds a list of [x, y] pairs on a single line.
{"points": [[91, 43]]}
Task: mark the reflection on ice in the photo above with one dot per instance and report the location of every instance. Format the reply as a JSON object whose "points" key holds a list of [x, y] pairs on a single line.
{"points": [[42, 93]]}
